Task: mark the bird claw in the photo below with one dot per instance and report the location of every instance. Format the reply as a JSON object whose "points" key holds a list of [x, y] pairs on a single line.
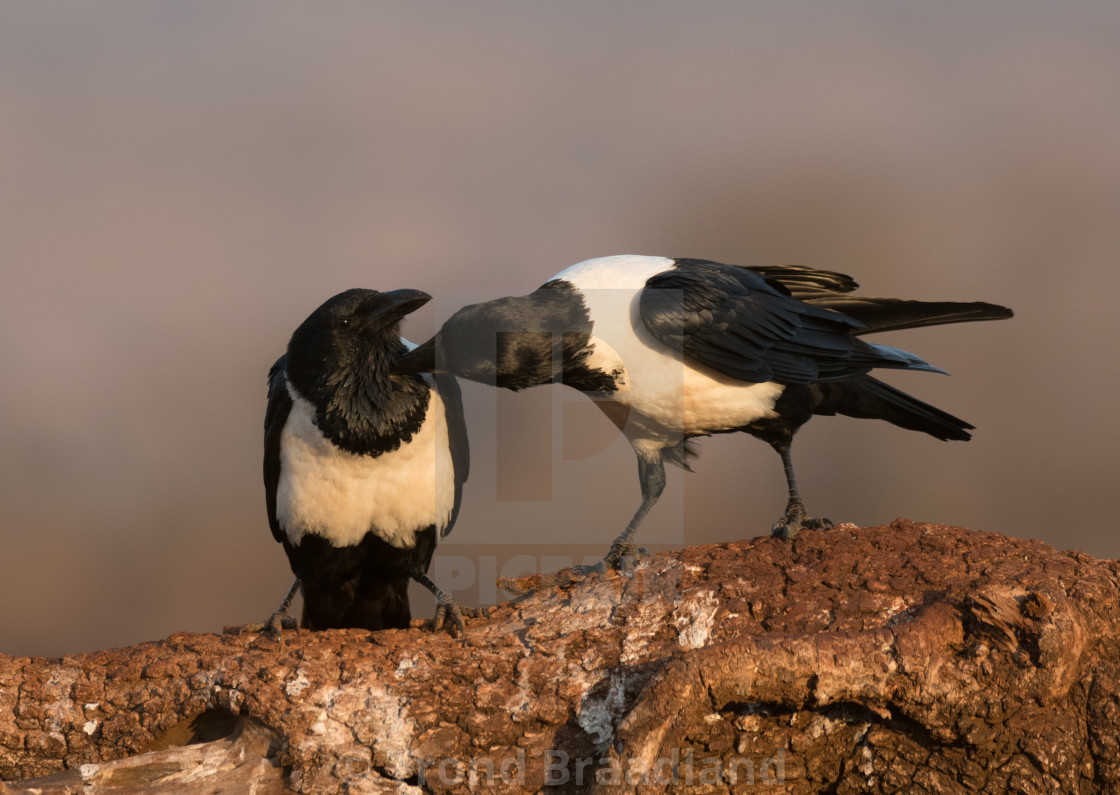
{"points": [[449, 616], [793, 523], [623, 558], [276, 623], [628, 557], [580, 573]]}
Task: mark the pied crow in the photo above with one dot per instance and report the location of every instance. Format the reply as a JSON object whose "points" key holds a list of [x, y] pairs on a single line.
{"points": [[363, 468], [672, 349]]}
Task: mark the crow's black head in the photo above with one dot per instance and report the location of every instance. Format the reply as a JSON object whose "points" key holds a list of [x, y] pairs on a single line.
{"points": [[339, 360], [352, 330]]}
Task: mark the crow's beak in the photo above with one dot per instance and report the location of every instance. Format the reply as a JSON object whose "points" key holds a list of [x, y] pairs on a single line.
{"points": [[390, 307], [407, 301], [420, 359]]}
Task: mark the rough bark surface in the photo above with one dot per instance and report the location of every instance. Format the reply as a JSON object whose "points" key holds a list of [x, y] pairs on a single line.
{"points": [[906, 657]]}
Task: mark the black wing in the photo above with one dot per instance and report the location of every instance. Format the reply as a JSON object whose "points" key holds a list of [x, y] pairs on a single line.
{"points": [[452, 397], [831, 290], [275, 416], [745, 326], [892, 314], [800, 280]]}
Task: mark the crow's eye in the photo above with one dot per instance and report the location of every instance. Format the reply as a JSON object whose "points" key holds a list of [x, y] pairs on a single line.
{"points": [[343, 322]]}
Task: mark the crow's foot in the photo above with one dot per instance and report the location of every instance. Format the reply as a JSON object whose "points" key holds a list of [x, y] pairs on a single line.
{"points": [[622, 557], [449, 616], [625, 557], [276, 623], [795, 521]]}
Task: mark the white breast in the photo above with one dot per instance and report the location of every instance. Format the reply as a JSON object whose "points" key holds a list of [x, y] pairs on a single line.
{"points": [[342, 496], [657, 381]]}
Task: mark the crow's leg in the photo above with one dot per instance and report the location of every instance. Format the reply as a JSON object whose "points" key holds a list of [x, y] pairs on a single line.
{"points": [[651, 473], [796, 518], [449, 613], [624, 554], [280, 618]]}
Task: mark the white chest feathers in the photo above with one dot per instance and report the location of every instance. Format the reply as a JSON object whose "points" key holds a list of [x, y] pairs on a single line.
{"points": [[341, 496]]}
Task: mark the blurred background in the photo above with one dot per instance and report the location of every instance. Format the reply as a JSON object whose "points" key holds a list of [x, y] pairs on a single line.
{"points": [[182, 183]]}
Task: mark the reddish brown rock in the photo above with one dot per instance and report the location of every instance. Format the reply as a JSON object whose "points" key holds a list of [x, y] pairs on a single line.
{"points": [[852, 660]]}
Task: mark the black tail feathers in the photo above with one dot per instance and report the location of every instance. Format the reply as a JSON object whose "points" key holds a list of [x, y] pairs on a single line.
{"points": [[361, 603], [865, 397]]}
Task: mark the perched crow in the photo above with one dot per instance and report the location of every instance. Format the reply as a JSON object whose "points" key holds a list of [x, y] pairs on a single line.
{"points": [[672, 349], [363, 468]]}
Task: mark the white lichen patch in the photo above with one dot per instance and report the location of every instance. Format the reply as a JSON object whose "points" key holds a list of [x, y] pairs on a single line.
{"points": [[90, 726], [321, 724], [897, 605], [694, 619], [392, 733], [865, 766], [88, 771], [643, 625], [62, 711], [329, 731], [640, 630], [820, 726], [297, 684], [599, 715]]}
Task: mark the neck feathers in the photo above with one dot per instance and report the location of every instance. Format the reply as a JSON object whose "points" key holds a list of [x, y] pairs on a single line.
{"points": [[365, 410]]}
